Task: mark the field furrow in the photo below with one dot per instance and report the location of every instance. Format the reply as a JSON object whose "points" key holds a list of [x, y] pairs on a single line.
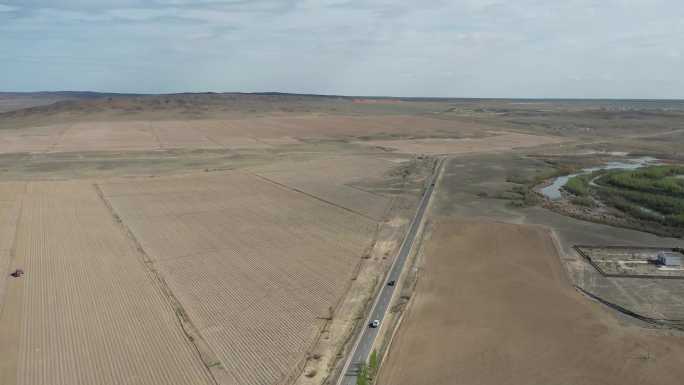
{"points": [[90, 313], [254, 264]]}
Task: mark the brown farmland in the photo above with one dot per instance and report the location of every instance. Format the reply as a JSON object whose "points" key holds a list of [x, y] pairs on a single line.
{"points": [[332, 180], [261, 132], [256, 265], [86, 310], [493, 306], [498, 141]]}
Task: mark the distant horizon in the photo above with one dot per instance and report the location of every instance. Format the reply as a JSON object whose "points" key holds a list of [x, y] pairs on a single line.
{"points": [[104, 93]]}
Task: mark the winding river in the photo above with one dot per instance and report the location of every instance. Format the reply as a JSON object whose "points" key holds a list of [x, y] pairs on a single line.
{"points": [[553, 191]]}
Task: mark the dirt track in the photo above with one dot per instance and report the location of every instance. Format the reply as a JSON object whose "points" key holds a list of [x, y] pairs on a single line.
{"points": [[493, 306]]}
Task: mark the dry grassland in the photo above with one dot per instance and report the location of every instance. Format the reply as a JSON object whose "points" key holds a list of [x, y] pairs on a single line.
{"points": [[86, 311], [263, 132], [498, 142], [14, 101], [256, 266], [493, 306]]}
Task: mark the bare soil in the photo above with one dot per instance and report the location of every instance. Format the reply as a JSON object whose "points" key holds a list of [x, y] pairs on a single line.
{"points": [[496, 142], [85, 297], [493, 306], [256, 266]]}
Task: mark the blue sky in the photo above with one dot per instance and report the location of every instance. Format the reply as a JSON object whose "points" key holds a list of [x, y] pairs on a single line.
{"points": [[469, 48]]}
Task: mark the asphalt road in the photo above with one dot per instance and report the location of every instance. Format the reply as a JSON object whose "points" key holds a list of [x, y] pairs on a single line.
{"points": [[362, 350]]}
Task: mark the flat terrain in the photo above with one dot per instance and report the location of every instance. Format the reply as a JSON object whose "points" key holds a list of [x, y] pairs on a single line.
{"points": [[493, 306], [256, 265], [497, 141], [85, 298], [232, 133], [237, 239], [333, 180], [479, 187]]}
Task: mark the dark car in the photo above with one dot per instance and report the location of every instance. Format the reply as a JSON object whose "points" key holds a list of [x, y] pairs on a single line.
{"points": [[391, 283]]}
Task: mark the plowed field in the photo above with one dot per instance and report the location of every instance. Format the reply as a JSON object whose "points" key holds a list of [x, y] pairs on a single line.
{"points": [[333, 180], [86, 311], [256, 265], [493, 306]]}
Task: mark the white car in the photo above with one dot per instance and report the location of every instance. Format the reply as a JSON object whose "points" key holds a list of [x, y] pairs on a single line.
{"points": [[375, 323]]}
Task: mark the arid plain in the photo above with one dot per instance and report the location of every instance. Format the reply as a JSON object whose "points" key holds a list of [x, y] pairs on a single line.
{"points": [[239, 239]]}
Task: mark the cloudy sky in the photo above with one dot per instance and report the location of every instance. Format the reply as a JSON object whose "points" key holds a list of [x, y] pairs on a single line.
{"points": [[469, 48]]}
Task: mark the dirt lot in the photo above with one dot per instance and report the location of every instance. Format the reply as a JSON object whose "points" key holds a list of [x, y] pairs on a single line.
{"points": [[493, 306]]}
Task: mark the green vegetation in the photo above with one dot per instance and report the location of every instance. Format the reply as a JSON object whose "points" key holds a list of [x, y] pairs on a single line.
{"points": [[583, 201], [578, 185], [368, 371], [653, 193], [523, 195], [362, 377], [373, 364], [539, 177], [656, 179]]}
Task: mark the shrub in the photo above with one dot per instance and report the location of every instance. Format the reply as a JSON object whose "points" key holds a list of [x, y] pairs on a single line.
{"points": [[583, 201], [373, 364], [362, 377], [578, 185]]}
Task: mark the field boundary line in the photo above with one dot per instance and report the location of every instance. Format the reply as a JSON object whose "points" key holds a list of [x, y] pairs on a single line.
{"points": [[204, 352], [674, 324], [286, 187], [153, 130], [59, 138], [364, 190]]}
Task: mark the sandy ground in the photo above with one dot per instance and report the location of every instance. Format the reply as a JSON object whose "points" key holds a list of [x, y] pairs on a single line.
{"points": [[493, 306], [499, 141]]}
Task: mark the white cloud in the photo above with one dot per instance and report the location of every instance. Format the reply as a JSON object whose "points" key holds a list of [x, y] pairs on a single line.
{"points": [[7, 8], [459, 48]]}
